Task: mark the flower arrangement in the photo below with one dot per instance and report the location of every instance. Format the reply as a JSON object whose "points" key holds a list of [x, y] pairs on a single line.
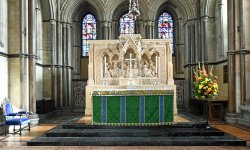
{"points": [[205, 85]]}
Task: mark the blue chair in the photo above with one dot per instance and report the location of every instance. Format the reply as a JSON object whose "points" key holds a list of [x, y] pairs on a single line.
{"points": [[16, 119]]}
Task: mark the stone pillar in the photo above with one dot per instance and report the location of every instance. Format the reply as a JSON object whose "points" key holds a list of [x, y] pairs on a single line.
{"points": [[242, 53], [76, 50], [204, 39], [149, 29], [231, 116], [244, 39], [221, 28], [69, 65], [54, 61], [110, 30], [145, 29], [231, 109], [113, 29], [32, 52], [141, 29], [152, 30], [105, 26], [64, 65], [136, 27], [179, 47], [59, 66], [24, 62]]}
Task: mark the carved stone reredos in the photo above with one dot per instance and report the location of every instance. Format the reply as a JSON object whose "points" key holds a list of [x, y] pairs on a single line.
{"points": [[115, 62]]}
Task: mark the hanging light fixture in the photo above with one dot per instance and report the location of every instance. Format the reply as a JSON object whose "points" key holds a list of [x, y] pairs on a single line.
{"points": [[134, 8]]}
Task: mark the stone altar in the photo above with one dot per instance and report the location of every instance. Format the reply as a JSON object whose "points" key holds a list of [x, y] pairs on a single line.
{"points": [[129, 63]]}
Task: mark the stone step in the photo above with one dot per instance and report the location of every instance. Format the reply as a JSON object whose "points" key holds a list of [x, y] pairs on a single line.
{"points": [[179, 125], [133, 132], [138, 141]]}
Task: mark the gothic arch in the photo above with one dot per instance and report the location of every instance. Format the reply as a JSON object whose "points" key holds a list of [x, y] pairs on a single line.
{"points": [[118, 8], [48, 8], [72, 8], [186, 9]]}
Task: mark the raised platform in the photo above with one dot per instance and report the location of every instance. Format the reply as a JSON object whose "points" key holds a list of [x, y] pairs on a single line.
{"points": [[180, 134]]}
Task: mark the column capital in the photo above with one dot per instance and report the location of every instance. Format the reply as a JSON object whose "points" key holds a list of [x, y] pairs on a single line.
{"points": [[204, 18], [68, 25], [152, 23], [64, 24], [52, 21], [149, 23], [106, 23]]}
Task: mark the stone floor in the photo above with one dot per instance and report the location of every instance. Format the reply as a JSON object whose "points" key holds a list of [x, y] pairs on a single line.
{"points": [[15, 142]]}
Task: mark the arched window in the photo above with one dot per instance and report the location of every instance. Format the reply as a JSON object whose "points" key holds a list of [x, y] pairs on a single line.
{"points": [[127, 24], [166, 27], [88, 32]]}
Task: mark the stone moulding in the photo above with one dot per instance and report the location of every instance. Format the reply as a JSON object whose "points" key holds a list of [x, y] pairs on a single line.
{"points": [[127, 92]]}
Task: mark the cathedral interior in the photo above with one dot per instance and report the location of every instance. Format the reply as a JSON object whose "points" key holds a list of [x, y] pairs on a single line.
{"points": [[44, 51]]}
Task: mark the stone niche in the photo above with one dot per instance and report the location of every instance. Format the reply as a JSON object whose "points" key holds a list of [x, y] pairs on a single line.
{"points": [[129, 63]]}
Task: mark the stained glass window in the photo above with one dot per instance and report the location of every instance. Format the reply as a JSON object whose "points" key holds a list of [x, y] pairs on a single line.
{"points": [[166, 27], [88, 32], [126, 24]]}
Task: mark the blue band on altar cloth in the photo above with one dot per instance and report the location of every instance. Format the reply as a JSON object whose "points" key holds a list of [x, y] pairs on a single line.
{"points": [[161, 108], [142, 109], [104, 109], [123, 109]]}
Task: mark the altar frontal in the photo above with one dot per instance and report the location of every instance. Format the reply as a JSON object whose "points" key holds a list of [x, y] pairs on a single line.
{"points": [[133, 107], [130, 81]]}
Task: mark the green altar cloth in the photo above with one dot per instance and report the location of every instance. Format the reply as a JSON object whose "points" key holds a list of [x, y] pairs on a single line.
{"points": [[133, 107]]}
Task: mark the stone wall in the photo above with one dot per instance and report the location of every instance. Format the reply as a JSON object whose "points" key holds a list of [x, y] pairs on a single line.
{"points": [[4, 50]]}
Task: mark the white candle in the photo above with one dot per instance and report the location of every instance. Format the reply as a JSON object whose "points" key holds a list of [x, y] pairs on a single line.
{"points": [[130, 59], [156, 64], [105, 66]]}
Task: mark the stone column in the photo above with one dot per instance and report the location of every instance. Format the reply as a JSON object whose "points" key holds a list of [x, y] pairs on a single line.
{"points": [[113, 29], [231, 116], [221, 28], [24, 62], [244, 39], [152, 30], [59, 66], [69, 65], [231, 109], [141, 29], [242, 53], [54, 70], [64, 64], [105, 26], [76, 49], [34, 11], [110, 30], [204, 50], [145, 30], [149, 29], [136, 27], [32, 51], [179, 47]]}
